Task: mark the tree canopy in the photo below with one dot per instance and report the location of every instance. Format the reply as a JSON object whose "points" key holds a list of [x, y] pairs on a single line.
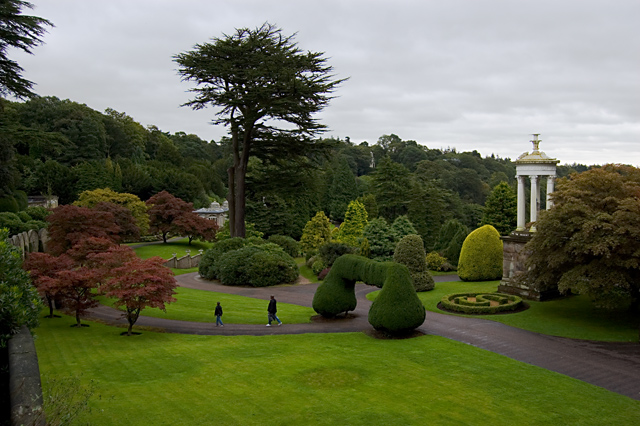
{"points": [[588, 241], [22, 32], [267, 91]]}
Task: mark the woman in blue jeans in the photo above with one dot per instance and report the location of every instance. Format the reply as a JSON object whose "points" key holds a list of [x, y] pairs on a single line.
{"points": [[218, 313], [272, 309]]}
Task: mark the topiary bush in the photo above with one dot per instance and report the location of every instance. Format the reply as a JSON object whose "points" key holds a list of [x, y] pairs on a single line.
{"points": [[24, 216], [396, 310], [481, 303], [288, 244], [8, 204], [12, 222], [402, 227], [481, 255], [410, 252]]}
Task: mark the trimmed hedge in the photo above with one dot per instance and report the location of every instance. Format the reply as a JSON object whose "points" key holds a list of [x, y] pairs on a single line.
{"points": [[396, 310], [209, 267], [458, 302], [481, 255]]}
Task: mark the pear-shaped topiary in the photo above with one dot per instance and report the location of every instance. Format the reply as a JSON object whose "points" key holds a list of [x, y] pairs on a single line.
{"points": [[481, 255], [410, 252]]}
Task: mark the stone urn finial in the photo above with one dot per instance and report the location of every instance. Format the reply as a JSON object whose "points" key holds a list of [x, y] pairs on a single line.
{"points": [[536, 142]]}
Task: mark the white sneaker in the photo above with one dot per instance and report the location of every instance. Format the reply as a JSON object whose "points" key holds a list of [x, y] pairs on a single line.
{"points": [[268, 325], [279, 323]]}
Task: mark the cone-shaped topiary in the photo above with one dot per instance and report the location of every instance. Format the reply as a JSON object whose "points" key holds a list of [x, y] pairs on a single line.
{"points": [[410, 252], [397, 308], [481, 255]]}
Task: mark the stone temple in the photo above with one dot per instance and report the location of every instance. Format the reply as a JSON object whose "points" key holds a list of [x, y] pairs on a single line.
{"points": [[535, 166]]}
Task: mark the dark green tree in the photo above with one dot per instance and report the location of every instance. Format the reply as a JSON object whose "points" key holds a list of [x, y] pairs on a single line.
{"points": [[343, 189], [588, 242], [501, 209], [267, 91], [22, 32], [392, 188]]}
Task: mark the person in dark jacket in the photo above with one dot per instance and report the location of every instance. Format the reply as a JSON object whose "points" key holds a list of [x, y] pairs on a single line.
{"points": [[218, 313], [272, 309]]}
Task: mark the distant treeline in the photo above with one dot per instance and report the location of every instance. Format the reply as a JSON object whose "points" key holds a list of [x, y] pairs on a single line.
{"points": [[59, 147]]}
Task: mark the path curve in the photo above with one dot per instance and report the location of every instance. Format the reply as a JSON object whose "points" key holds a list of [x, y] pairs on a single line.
{"points": [[613, 366]]}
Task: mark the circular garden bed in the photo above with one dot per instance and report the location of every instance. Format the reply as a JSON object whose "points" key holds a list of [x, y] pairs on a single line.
{"points": [[481, 303]]}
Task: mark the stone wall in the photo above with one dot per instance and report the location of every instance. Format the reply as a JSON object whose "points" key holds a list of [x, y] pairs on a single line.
{"points": [[24, 380], [30, 241], [514, 260]]}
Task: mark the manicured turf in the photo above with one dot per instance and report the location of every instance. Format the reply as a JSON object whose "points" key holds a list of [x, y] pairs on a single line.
{"points": [[313, 379], [573, 316], [165, 251], [198, 305]]}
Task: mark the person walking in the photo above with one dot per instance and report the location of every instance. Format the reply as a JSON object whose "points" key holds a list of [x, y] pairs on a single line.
{"points": [[272, 309], [218, 313]]}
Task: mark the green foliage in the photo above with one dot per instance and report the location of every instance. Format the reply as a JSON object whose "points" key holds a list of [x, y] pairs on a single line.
{"points": [[19, 300], [288, 244], [329, 252], [257, 266], [342, 191], [9, 204], [365, 249], [370, 204], [131, 202], [224, 234], [397, 308], [434, 261], [450, 240], [21, 199], [588, 242], [410, 252], [402, 227], [481, 255], [317, 266], [392, 187], [209, 266], [24, 216], [501, 209], [355, 220], [12, 223], [381, 241], [38, 213], [316, 233]]}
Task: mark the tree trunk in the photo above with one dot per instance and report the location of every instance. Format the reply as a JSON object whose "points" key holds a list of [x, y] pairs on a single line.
{"points": [[232, 201], [240, 201], [50, 303], [78, 324]]}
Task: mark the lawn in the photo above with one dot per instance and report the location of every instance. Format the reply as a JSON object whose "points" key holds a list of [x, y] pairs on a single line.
{"points": [[573, 317], [166, 250], [313, 379], [198, 305]]}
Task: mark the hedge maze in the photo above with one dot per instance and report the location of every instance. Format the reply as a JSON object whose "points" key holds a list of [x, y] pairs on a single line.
{"points": [[481, 303], [396, 310]]}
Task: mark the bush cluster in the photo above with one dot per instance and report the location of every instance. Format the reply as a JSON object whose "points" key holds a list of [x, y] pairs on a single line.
{"points": [[458, 302], [25, 220], [250, 261], [288, 244]]}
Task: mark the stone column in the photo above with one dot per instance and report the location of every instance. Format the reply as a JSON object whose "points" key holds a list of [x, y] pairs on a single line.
{"points": [[535, 199], [522, 204], [550, 189]]}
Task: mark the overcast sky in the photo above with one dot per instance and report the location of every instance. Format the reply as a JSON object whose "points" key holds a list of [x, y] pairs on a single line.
{"points": [[469, 74]]}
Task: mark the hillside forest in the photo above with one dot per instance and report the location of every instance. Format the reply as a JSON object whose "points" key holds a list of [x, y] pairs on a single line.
{"points": [[50, 146]]}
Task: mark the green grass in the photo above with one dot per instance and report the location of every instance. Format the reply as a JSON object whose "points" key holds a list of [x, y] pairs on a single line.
{"points": [[165, 251], [313, 379], [198, 306], [305, 271], [573, 317]]}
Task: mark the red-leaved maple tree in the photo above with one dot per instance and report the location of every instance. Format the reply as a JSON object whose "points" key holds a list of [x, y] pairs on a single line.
{"points": [[44, 270], [140, 283], [172, 215]]}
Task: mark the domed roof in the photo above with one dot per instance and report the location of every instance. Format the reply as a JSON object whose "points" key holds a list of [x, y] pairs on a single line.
{"points": [[536, 156]]}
